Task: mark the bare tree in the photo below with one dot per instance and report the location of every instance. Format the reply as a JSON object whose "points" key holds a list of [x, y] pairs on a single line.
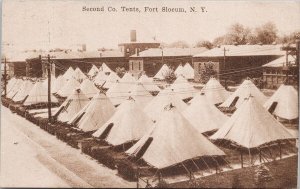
{"points": [[179, 44]]}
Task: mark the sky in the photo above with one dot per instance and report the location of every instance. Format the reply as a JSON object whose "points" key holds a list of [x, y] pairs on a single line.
{"points": [[33, 24]]}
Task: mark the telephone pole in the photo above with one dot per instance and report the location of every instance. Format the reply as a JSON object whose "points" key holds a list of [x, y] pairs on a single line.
{"points": [[49, 88], [224, 62], [47, 62]]}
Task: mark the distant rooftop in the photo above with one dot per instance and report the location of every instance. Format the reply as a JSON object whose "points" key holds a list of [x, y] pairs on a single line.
{"points": [[280, 62], [243, 50], [22, 56], [157, 52]]}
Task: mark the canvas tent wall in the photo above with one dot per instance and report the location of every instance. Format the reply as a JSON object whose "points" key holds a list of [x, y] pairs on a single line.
{"points": [[13, 89], [162, 72], [188, 71], [58, 84], [93, 71], [69, 73], [252, 126], [203, 115], [183, 88], [139, 93], [148, 83], [79, 75], [71, 106], [38, 94], [165, 97], [94, 114], [23, 91], [172, 140], [100, 78], [105, 68], [243, 91], [285, 100], [215, 92], [88, 88], [129, 123], [179, 71], [111, 80], [68, 87]]}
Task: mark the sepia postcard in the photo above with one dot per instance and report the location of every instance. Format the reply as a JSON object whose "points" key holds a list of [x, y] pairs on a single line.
{"points": [[149, 94]]}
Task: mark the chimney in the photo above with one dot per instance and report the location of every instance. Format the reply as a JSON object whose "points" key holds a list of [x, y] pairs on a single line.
{"points": [[132, 36]]}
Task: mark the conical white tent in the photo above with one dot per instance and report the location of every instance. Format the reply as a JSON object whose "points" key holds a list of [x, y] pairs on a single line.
{"points": [[100, 78], [127, 78], [69, 73], [10, 84], [71, 106], [156, 106], [94, 114], [215, 92], [105, 68], [243, 91], [93, 71], [13, 89], [203, 115], [188, 71], [173, 140], [183, 88], [23, 91], [38, 94], [58, 84], [88, 88], [79, 75], [286, 99], [161, 73], [252, 126], [53, 81], [139, 93], [129, 123], [68, 87], [179, 71], [148, 83], [118, 92], [111, 80]]}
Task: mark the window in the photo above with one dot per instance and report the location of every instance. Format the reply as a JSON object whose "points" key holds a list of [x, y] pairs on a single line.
{"points": [[131, 65], [127, 50], [139, 65]]}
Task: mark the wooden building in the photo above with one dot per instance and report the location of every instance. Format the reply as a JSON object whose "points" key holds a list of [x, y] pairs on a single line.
{"points": [[150, 61], [62, 60], [282, 70], [235, 62], [135, 46]]}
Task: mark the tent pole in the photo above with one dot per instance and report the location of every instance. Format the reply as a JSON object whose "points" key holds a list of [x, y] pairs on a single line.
{"points": [[241, 158], [259, 155], [280, 152]]}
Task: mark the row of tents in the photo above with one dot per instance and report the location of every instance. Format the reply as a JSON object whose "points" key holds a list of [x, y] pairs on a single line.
{"points": [[186, 71], [168, 131]]}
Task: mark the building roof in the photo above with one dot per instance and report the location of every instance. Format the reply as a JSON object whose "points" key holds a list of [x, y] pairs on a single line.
{"points": [[243, 50], [280, 62], [157, 52]]}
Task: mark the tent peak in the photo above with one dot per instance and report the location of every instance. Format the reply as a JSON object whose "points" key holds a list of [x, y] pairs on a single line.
{"points": [[169, 106]]}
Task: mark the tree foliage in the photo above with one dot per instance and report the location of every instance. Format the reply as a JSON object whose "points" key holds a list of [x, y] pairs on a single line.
{"points": [[238, 34], [206, 72], [206, 44], [169, 76], [120, 71]]}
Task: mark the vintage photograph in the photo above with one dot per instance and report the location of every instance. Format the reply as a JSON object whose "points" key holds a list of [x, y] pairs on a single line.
{"points": [[149, 94]]}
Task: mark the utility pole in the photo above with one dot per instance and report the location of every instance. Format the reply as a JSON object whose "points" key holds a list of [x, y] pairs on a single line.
{"points": [[47, 62], [49, 89], [5, 78], [224, 62]]}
